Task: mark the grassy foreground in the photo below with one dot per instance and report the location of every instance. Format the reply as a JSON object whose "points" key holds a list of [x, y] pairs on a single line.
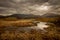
{"points": [[52, 33]]}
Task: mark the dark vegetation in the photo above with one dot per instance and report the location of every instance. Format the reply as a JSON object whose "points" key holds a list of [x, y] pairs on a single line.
{"points": [[52, 33]]}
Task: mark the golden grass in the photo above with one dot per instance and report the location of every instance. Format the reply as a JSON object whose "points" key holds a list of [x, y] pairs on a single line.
{"points": [[17, 23]]}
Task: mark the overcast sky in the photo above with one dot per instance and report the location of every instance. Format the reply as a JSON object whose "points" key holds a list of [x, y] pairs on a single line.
{"points": [[36, 7]]}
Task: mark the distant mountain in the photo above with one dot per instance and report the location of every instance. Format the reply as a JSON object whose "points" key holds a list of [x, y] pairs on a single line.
{"points": [[2, 16], [27, 16], [50, 15], [21, 16]]}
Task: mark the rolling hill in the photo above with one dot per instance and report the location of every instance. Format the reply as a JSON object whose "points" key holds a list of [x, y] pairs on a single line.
{"points": [[21, 16]]}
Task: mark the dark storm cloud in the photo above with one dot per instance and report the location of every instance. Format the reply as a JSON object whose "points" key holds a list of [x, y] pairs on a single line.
{"points": [[5, 3], [37, 1], [26, 6], [56, 6], [54, 2]]}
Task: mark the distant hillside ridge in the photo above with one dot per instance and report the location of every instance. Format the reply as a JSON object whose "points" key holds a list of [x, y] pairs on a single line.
{"points": [[21, 16], [49, 15]]}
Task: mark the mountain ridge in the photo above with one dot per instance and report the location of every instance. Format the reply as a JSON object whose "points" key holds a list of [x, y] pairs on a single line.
{"points": [[30, 16], [49, 15], [21, 16]]}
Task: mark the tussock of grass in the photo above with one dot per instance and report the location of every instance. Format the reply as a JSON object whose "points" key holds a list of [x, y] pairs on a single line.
{"points": [[52, 33]]}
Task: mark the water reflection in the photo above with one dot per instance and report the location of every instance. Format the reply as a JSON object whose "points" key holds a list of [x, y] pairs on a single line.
{"points": [[40, 25]]}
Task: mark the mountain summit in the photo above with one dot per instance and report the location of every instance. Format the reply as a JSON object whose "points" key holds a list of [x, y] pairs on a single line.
{"points": [[50, 15], [21, 16]]}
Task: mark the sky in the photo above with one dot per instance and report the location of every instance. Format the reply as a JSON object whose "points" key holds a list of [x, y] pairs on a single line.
{"points": [[35, 7]]}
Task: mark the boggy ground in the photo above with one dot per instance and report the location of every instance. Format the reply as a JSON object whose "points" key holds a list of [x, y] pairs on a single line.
{"points": [[51, 33]]}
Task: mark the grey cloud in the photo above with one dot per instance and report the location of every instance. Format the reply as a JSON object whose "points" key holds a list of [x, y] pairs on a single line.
{"points": [[54, 2], [23, 6], [4, 3], [9, 3]]}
